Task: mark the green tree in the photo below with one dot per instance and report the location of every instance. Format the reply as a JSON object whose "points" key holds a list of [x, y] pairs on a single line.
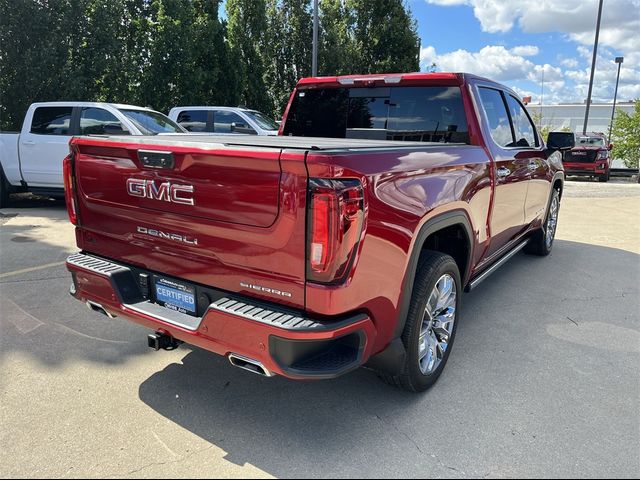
{"points": [[336, 45], [37, 39], [286, 48], [626, 136], [246, 28], [67, 50], [166, 77], [367, 36], [213, 71], [385, 37]]}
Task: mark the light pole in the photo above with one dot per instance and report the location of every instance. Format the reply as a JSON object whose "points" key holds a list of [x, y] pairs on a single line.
{"points": [[593, 68], [619, 61], [314, 59]]}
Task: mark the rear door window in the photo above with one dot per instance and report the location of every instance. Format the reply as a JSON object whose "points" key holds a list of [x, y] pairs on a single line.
{"points": [[52, 121], [193, 120], [522, 125], [98, 121], [230, 122], [422, 114], [497, 116]]}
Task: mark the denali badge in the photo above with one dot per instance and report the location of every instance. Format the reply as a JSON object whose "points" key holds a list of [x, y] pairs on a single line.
{"points": [[166, 191], [265, 289], [168, 236]]}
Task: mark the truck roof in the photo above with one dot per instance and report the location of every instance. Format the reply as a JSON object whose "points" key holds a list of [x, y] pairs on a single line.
{"points": [[89, 104], [392, 79], [279, 142]]}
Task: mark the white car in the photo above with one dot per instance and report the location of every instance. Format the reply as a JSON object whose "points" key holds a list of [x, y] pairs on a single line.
{"points": [[32, 159], [224, 120]]}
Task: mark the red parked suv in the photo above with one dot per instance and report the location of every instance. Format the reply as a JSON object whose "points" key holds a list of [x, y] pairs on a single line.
{"points": [[589, 157], [309, 257]]}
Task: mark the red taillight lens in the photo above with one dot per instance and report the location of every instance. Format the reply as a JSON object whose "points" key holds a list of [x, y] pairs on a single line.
{"points": [[336, 218], [69, 193]]}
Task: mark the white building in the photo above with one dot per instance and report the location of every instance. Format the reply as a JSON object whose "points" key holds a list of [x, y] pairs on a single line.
{"points": [[572, 115]]}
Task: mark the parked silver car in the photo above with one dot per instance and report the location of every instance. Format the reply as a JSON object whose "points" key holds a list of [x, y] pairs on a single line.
{"points": [[224, 120]]}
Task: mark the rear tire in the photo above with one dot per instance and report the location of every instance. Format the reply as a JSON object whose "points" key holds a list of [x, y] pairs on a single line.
{"points": [[431, 322], [541, 242], [4, 191]]}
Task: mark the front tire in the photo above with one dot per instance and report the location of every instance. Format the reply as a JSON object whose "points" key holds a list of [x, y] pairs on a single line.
{"points": [[604, 178], [431, 323], [541, 242]]}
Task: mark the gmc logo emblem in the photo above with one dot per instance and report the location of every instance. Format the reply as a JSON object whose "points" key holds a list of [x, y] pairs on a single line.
{"points": [[166, 191]]}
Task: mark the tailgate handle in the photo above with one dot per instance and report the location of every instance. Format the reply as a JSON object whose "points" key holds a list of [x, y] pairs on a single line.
{"points": [[156, 159]]}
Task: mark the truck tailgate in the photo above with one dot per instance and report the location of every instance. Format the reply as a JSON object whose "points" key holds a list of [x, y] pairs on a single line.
{"points": [[230, 217]]}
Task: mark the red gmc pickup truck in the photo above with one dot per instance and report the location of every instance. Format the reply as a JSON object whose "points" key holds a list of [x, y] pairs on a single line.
{"points": [[589, 157], [309, 257]]}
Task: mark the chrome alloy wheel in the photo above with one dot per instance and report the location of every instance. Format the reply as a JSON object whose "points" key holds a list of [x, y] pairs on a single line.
{"points": [[552, 221], [437, 324]]}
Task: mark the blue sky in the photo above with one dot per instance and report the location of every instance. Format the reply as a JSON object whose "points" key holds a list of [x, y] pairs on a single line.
{"points": [[515, 41]]}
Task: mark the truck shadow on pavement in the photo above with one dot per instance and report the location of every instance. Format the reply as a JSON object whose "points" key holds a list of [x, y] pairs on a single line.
{"points": [[518, 345]]}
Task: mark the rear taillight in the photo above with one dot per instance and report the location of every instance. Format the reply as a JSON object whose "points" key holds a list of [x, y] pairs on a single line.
{"points": [[69, 189], [336, 217]]}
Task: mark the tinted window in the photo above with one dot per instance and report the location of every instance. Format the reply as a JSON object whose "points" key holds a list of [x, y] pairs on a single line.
{"points": [[98, 121], [318, 113], [494, 108], [223, 120], [368, 115], [193, 120], [590, 142], [522, 125], [560, 140], [425, 114], [151, 123], [51, 120]]}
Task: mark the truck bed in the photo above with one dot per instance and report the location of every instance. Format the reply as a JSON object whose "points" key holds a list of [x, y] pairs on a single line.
{"points": [[280, 142]]}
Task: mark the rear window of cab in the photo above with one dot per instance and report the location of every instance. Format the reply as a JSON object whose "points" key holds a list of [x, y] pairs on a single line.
{"points": [[422, 114]]}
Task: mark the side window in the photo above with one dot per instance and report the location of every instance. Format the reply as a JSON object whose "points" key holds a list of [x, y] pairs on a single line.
{"points": [[522, 126], [51, 120], [98, 121], [193, 120], [497, 116], [230, 122]]}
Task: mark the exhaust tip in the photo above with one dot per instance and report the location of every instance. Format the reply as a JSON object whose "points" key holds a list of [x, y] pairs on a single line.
{"points": [[96, 307], [249, 365]]}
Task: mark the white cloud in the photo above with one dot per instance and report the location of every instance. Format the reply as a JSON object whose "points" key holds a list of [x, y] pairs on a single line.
{"points": [[576, 18], [570, 63], [568, 80], [525, 50], [495, 62], [559, 85], [427, 56]]}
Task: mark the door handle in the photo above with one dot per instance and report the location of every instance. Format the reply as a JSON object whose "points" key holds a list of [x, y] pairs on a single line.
{"points": [[503, 172], [28, 142]]}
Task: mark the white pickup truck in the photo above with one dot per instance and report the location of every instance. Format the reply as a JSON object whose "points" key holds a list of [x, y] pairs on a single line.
{"points": [[32, 159]]}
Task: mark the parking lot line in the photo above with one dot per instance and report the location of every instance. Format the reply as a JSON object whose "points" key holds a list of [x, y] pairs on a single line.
{"points": [[31, 269]]}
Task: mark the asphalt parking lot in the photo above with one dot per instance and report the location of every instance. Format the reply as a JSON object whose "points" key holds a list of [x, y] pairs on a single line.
{"points": [[543, 381]]}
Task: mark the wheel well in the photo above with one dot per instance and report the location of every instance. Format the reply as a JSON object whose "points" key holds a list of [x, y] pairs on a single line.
{"points": [[452, 240]]}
